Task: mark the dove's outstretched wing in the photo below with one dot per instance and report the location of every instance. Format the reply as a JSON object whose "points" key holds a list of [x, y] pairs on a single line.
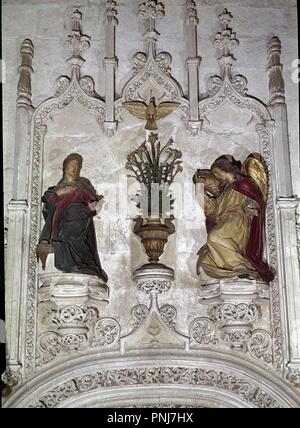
{"points": [[136, 108], [255, 167], [165, 108]]}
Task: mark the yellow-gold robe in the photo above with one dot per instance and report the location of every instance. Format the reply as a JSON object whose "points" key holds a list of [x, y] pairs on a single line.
{"points": [[224, 254]]}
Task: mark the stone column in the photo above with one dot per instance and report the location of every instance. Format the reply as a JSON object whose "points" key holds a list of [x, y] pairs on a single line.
{"points": [[192, 65], [288, 261], [17, 253], [110, 65], [279, 112], [23, 119], [289, 268]]}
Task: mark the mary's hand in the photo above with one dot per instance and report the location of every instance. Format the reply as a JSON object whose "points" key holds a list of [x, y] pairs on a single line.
{"points": [[93, 206]]}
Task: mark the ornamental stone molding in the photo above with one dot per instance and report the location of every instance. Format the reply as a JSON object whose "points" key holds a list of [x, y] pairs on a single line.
{"points": [[107, 333], [151, 73], [203, 332], [154, 326], [231, 380], [154, 279], [232, 306]]}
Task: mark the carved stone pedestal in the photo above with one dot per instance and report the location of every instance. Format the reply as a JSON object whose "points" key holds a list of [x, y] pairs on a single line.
{"points": [[71, 305], [233, 307], [154, 325], [65, 289], [154, 277]]}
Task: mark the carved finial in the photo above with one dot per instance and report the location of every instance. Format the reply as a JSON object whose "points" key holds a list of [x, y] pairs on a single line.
{"points": [[77, 42], [111, 12], [226, 39], [191, 12], [276, 82], [151, 9], [25, 69]]}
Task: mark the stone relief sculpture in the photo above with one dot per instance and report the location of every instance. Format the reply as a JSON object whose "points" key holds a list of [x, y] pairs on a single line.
{"points": [[234, 203], [69, 208]]}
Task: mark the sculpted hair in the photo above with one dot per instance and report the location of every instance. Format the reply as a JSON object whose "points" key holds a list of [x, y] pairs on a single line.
{"points": [[72, 156], [226, 166]]}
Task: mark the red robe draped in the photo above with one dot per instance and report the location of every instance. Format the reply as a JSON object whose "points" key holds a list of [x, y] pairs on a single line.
{"points": [[254, 252]]}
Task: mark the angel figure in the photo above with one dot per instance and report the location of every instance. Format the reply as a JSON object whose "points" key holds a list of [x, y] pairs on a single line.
{"points": [[150, 112], [234, 204]]}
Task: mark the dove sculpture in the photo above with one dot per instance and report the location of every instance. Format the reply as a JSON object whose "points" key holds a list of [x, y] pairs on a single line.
{"points": [[150, 112]]}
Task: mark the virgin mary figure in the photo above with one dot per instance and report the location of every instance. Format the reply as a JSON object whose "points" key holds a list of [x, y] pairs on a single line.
{"points": [[69, 208], [236, 214]]}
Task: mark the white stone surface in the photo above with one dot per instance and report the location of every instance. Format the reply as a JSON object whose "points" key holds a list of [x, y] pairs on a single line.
{"points": [[229, 130]]}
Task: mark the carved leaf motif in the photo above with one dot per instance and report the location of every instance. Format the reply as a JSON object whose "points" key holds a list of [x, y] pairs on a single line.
{"points": [[203, 332], [139, 314], [239, 83], [168, 314], [260, 345], [49, 346], [87, 85], [164, 59], [62, 83], [254, 395], [107, 332]]}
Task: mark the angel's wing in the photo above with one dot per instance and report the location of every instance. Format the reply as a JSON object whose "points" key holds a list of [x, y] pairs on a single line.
{"points": [[254, 166], [165, 108], [136, 108]]}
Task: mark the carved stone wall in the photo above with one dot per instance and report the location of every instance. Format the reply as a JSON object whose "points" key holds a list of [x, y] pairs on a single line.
{"points": [[77, 107]]}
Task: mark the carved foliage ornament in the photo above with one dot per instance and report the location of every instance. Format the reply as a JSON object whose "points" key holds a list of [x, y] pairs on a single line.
{"points": [[151, 9], [191, 12], [252, 394], [111, 12], [203, 332], [107, 332], [230, 312]]}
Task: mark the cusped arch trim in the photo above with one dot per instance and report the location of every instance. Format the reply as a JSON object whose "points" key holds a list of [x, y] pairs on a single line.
{"points": [[69, 90], [233, 91], [85, 379]]}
